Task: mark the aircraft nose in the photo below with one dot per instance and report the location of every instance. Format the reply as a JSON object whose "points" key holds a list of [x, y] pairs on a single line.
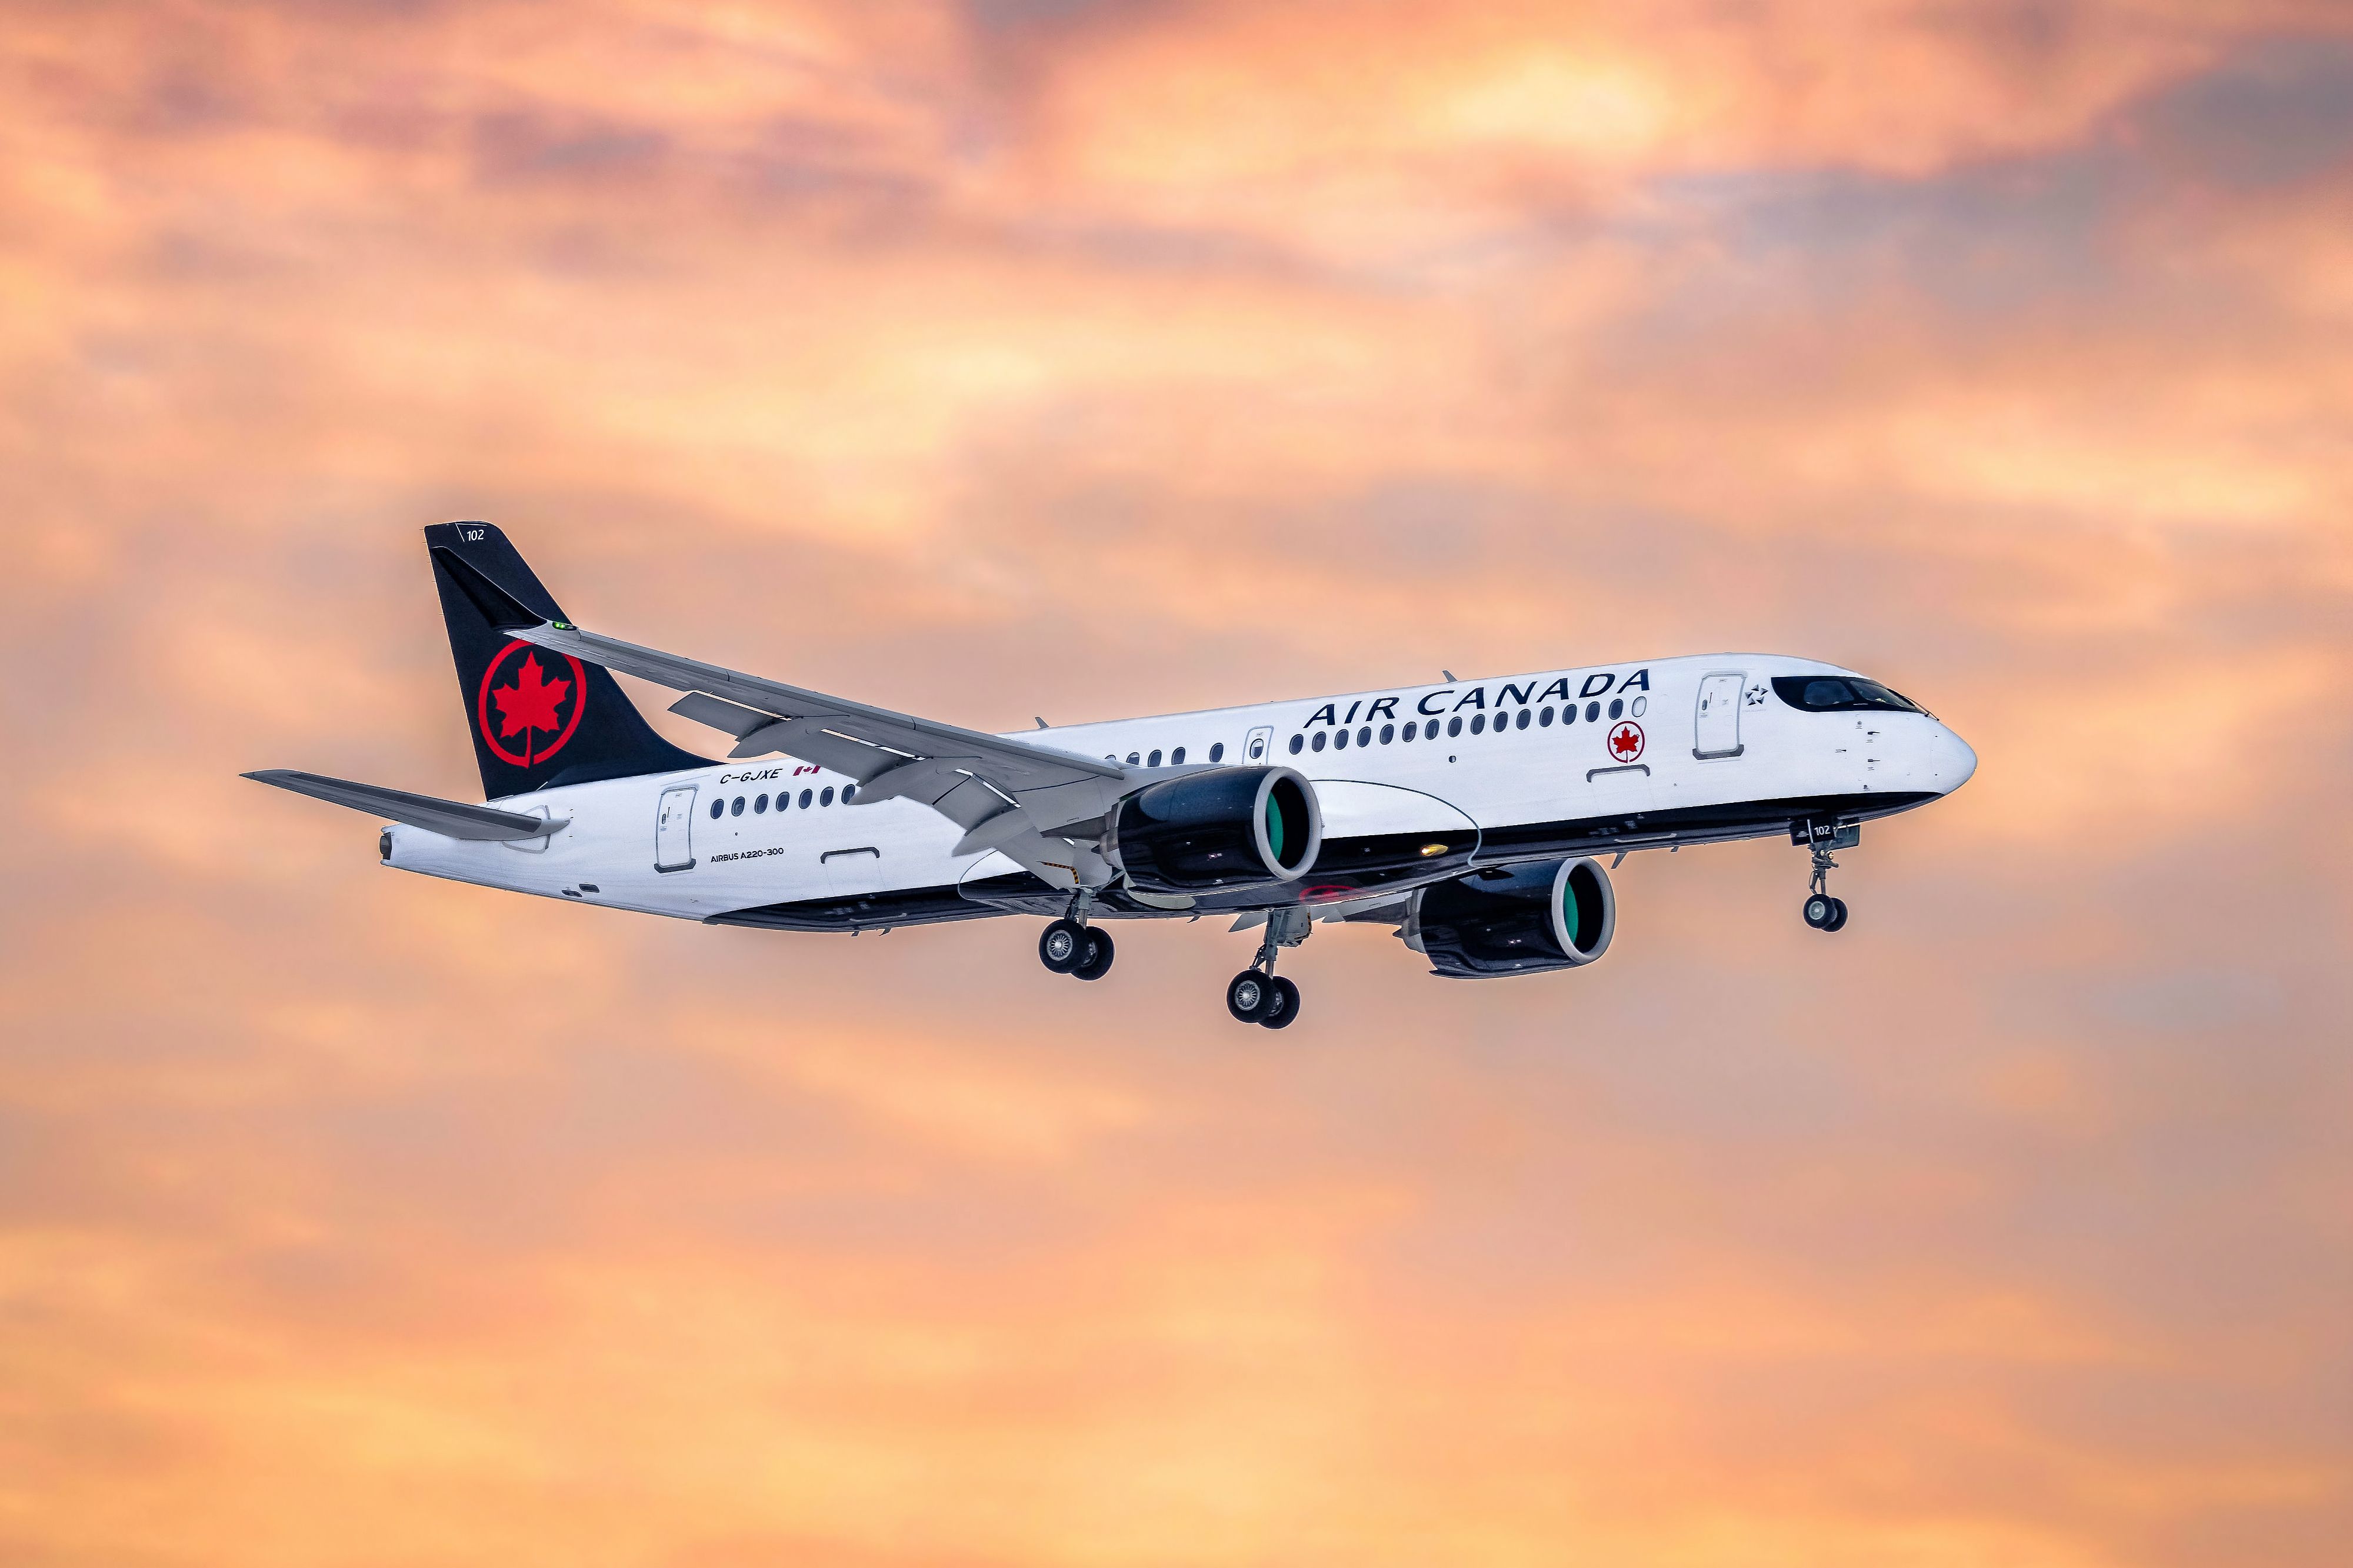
{"points": [[1951, 761]]}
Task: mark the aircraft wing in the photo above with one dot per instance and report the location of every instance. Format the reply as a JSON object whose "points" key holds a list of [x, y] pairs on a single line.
{"points": [[969, 777]]}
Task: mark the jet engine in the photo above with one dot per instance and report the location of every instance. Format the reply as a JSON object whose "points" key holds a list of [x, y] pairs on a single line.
{"points": [[1228, 828], [1555, 914]]}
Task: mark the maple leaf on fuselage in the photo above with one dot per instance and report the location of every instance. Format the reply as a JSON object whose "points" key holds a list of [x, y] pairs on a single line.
{"points": [[1623, 743], [530, 702]]}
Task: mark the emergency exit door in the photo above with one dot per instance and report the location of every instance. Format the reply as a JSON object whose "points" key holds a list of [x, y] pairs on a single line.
{"points": [[1716, 726], [674, 830]]}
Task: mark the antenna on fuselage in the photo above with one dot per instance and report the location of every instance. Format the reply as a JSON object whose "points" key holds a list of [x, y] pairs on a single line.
{"points": [[1449, 676]]}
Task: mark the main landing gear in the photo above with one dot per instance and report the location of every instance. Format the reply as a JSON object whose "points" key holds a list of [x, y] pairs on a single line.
{"points": [[1824, 913], [1258, 995], [1070, 947]]}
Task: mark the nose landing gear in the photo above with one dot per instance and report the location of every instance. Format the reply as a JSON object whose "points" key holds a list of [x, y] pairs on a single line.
{"points": [[1824, 913], [1258, 995]]}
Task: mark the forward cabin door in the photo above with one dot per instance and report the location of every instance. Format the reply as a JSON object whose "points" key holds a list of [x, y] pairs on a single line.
{"points": [[1716, 726], [674, 830]]}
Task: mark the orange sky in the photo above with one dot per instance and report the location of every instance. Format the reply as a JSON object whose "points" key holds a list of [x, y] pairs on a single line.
{"points": [[1041, 356]]}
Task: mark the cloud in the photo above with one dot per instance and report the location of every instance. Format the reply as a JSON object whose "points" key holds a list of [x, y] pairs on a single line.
{"points": [[1096, 358]]}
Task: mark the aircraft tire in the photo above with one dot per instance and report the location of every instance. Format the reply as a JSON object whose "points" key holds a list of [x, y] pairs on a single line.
{"points": [[1837, 916], [1246, 995], [1096, 961], [1819, 907], [1061, 946], [1282, 1005]]}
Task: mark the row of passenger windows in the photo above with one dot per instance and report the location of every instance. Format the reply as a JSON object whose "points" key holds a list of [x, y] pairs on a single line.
{"points": [[1175, 758], [1338, 741], [719, 808], [1542, 717]]}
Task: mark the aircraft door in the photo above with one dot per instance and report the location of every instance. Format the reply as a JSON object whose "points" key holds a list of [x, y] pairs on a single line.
{"points": [[674, 830], [1717, 724], [1261, 741]]}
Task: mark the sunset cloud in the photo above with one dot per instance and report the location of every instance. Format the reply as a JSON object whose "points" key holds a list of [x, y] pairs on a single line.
{"points": [[1089, 359]]}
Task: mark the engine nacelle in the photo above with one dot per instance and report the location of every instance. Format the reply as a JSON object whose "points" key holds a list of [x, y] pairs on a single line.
{"points": [[1555, 914], [1228, 828]]}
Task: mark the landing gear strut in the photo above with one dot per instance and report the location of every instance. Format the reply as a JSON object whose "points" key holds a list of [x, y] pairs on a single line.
{"points": [[1824, 913], [1070, 946], [1258, 995]]}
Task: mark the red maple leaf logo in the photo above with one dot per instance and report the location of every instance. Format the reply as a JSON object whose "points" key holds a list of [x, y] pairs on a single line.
{"points": [[1626, 740], [530, 704]]}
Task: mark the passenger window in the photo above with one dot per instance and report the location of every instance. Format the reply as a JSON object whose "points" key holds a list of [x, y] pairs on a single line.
{"points": [[1543, 716], [1617, 706], [1339, 739], [1317, 744], [718, 809], [804, 800], [1410, 726], [1297, 741], [1365, 736], [1153, 760], [1131, 759], [826, 797], [1388, 733], [759, 804], [1454, 726], [735, 806], [1568, 713], [1218, 752], [847, 791], [1176, 758], [1592, 713], [1522, 722], [1478, 723]]}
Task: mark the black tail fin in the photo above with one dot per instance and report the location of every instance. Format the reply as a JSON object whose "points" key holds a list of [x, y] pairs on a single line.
{"points": [[537, 718]]}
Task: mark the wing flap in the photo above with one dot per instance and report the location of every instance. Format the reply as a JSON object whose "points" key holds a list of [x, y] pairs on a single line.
{"points": [[735, 718]]}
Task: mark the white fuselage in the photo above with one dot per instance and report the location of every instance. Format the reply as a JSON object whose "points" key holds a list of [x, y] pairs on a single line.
{"points": [[1714, 743]]}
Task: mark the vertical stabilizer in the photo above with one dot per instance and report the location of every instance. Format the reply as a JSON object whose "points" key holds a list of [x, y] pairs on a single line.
{"points": [[536, 718]]}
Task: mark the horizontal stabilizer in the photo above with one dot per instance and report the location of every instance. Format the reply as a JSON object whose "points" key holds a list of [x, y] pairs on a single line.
{"points": [[449, 819]]}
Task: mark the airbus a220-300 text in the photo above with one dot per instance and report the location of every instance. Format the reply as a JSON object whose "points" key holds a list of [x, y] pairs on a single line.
{"points": [[1468, 814]]}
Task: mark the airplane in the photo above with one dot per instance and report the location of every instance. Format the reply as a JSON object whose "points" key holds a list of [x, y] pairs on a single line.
{"points": [[1469, 816]]}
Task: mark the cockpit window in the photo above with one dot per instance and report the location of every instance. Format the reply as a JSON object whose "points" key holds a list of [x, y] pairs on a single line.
{"points": [[1840, 693]]}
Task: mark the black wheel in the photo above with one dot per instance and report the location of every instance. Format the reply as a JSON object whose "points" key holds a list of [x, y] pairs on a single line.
{"points": [[1837, 916], [1819, 910], [1096, 961], [1282, 1005], [1061, 946], [1246, 995]]}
